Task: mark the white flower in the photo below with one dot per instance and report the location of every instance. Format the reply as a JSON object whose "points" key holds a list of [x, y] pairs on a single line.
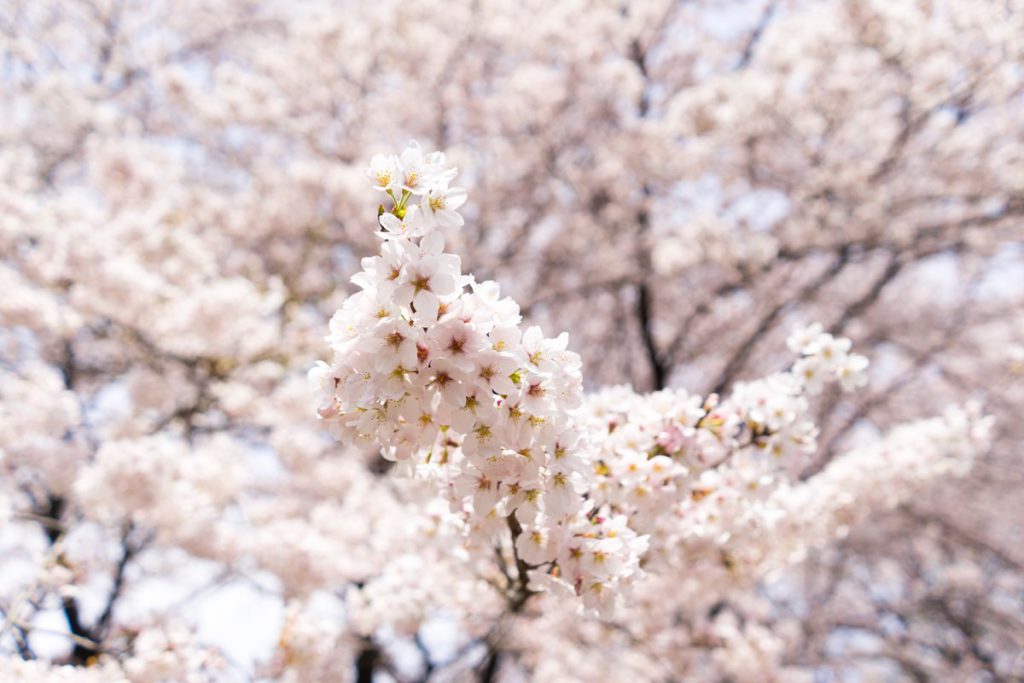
{"points": [[476, 407], [494, 370], [534, 546], [459, 342], [381, 274], [812, 373], [546, 355], [562, 494], [505, 338], [832, 350], [412, 225], [450, 383], [397, 344], [852, 373], [421, 173], [481, 486], [440, 205], [526, 501], [429, 275], [802, 338], [485, 440], [384, 172]]}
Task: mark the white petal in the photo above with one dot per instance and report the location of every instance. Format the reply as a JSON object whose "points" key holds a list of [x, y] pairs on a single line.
{"points": [[426, 307], [450, 219], [432, 243], [455, 197]]}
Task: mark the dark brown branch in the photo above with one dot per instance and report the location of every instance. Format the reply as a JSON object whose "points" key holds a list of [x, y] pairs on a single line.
{"points": [[659, 370], [128, 551], [858, 307], [521, 592], [644, 305], [21, 642], [110, 32], [490, 668], [54, 510], [755, 37], [367, 661], [428, 661], [519, 595]]}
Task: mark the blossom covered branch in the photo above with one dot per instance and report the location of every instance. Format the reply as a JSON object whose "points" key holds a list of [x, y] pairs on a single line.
{"points": [[436, 370]]}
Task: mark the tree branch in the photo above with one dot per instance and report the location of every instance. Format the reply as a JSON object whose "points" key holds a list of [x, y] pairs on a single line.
{"points": [[741, 354]]}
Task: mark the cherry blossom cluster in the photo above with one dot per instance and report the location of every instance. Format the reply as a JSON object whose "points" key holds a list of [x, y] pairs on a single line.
{"points": [[313, 646], [662, 179], [161, 483], [862, 481], [435, 368], [705, 463], [825, 357], [160, 653], [675, 621], [38, 416]]}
